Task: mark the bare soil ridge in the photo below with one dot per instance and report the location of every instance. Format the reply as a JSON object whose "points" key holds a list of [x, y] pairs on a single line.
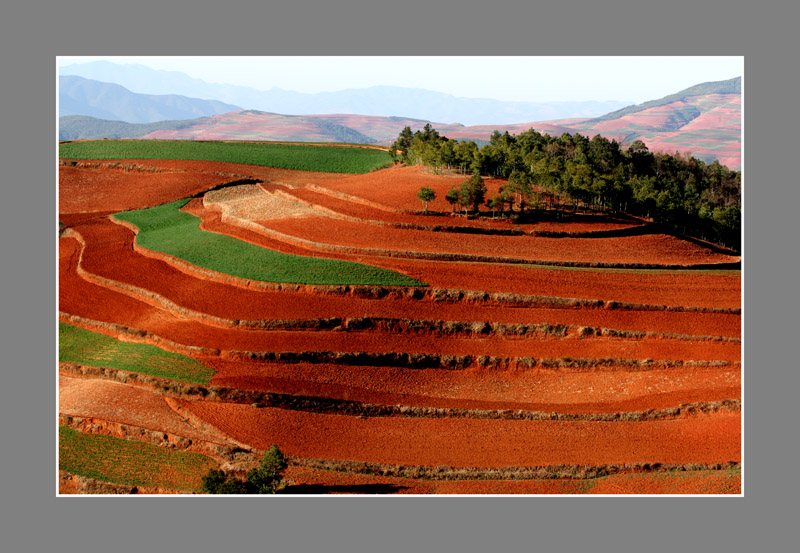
{"points": [[327, 405]]}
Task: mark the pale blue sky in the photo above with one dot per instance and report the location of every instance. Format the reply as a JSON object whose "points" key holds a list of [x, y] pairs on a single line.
{"points": [[518, 78]]}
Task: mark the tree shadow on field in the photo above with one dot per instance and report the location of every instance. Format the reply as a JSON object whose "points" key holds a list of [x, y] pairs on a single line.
{"points": [[355, 489]]}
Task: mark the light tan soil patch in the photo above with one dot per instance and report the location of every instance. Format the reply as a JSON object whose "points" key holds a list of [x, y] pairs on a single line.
{"points": [[251, 203]]}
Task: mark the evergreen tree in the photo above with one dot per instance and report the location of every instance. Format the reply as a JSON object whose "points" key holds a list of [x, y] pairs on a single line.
{"points": [[426, 194]]}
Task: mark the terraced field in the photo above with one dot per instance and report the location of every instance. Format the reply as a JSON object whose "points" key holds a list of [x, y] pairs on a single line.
{"points": [[600, 358]]}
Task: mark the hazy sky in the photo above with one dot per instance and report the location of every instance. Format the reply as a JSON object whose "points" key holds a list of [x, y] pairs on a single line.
{"points": [[535, 79]]}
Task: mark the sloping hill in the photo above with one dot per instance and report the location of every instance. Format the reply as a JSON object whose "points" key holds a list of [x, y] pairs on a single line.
{"points": [[83, 127], [79, 96], [364, 129], [731, 86], [704, 120], [260, 125]]}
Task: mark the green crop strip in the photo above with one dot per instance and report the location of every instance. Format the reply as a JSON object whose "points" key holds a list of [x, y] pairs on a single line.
{"points": [[329, 159], [167, 229], [83, 347], [129, 462]]}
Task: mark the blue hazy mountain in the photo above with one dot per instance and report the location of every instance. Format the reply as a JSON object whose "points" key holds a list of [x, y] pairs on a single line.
{"points": [[377, 100], [103, 100]]}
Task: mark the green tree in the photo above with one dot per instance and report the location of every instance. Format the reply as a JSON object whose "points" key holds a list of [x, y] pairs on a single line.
{"points": [[519, 183], [448, 153], [465, 153], [426, 194], [452, 197], [494, 202], [267, 478], [213, 480], [472, 192], [403, 142]]}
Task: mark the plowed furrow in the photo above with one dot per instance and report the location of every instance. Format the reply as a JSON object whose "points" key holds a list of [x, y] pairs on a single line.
{"points": [[602, 390], [653, 287], [478, 443], [319, 397], [108, 258]]}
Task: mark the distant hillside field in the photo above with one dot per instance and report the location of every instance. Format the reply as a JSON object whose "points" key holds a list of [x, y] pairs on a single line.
{"points": [[261, 125], [329, 159]]}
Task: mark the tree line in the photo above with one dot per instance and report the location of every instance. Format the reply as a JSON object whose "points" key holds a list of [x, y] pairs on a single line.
{"points": [[682, 193]]}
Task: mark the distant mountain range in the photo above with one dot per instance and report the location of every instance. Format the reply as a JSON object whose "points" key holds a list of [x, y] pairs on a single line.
{"points": [[377, 100], [80, 96], [704, 120]]}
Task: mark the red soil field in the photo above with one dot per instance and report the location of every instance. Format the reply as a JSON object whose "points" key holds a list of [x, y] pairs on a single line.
{"points": [[196, 334], [598, 391], [351, 208], [696, 289], [105, 280], [79, 297], [324, 232], [705, 482], [700, 142], [174, 186], [396, 188], [652, 288], [716, 118], [110, 190], [109, 254], [657, 117], [248, 126], [301, 177], [114, 402], [306, 480], [724, 111], [477, 443]]}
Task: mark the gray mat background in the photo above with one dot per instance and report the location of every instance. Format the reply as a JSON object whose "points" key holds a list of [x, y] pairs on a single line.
{"points": [[34, 33]]}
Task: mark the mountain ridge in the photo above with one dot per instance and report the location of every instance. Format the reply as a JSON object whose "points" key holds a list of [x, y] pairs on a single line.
{"points": [[80, 96], [703, 120], [380, 100]]}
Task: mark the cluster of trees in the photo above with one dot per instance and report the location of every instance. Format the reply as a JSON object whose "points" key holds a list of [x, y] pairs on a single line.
{"points": [[427, 147], [470, 194], [682, 193], [267, 478]]}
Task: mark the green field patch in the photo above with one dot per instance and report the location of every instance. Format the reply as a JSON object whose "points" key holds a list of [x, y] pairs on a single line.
{"points": [[79, 346], [130, 462], [169, 230], [303, 157]]}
